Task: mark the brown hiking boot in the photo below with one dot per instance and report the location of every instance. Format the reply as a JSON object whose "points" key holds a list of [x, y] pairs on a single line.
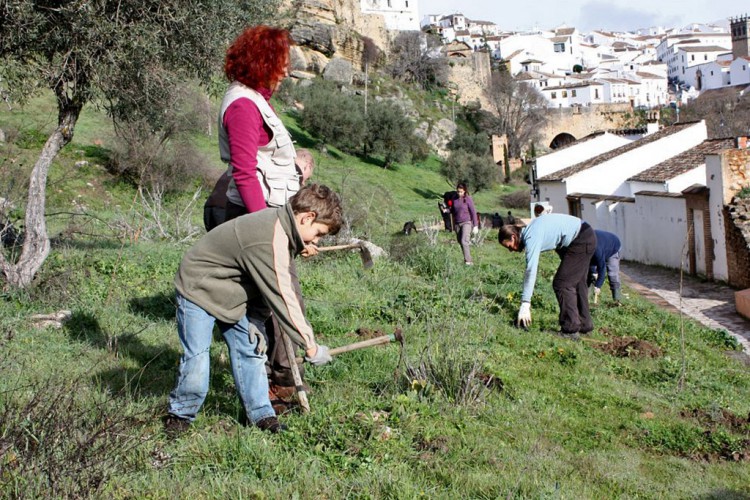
{"points": [[270, 424]]}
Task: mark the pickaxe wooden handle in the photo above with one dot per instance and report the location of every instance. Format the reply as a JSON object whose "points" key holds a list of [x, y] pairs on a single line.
{"points": [[384, 339], [298, 384]]}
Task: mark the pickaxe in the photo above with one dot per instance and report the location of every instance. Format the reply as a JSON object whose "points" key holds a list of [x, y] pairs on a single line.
{"points": [[364, 253], [396, 336]]}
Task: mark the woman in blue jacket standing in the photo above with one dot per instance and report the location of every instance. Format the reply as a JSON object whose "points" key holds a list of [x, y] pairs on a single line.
{"points": [[465, 220]]}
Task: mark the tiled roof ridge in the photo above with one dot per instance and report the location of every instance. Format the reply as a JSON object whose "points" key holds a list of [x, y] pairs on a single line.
{"points": [[591, 162]]}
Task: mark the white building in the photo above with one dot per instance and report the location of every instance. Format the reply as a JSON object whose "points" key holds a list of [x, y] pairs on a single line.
{"points": [[739, 71], [400, 15], [587, 147], [678, 173], [666, 51], [607, 173]]}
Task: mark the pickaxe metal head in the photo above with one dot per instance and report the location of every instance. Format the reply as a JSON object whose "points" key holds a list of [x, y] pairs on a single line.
{"points": [[364, 252]]}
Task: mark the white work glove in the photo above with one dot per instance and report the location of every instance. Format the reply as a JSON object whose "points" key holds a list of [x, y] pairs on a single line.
{"points": [[597, 291], [475, 230], [524, 314], [321, 356]]}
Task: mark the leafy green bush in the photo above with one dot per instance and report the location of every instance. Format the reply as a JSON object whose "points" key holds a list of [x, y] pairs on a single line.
{"points": [[389, 132], [465, 140], [335, 118], [477, 171]]}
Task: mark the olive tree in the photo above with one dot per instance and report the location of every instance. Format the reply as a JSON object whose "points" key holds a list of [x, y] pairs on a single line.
{"points": [[123, 55]]}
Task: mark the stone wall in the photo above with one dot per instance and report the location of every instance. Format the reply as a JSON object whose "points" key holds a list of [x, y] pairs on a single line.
{"points": [[737, 228], [735, 169], [471, 76]]}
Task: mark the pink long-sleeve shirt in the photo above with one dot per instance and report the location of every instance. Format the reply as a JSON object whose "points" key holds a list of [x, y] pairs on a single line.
{"points": [[246, 131]]}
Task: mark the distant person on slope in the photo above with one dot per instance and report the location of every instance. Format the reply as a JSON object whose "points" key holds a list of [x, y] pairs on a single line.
{"points": [[465, 220]]}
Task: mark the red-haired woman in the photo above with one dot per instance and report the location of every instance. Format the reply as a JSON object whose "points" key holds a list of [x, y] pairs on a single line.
{"points": [[259, 150], [252, 139]]}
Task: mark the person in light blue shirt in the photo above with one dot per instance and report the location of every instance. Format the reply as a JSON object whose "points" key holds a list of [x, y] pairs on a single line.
{"points": [[575, 242]]}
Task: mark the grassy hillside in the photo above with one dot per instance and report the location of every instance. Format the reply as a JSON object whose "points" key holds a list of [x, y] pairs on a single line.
{"points": [[472, 408]]}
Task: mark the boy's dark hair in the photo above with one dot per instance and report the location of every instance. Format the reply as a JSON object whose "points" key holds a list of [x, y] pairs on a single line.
{"points": [[323, 201], [507, 231]]}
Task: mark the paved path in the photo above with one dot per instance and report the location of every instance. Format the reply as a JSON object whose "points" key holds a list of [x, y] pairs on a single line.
{"points": [[712, 304]]}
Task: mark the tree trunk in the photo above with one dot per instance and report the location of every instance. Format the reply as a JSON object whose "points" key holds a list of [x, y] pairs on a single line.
{"points": [[36, 243]]}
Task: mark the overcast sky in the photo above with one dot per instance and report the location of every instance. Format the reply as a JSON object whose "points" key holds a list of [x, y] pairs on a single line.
{"points": [[588, 15]]}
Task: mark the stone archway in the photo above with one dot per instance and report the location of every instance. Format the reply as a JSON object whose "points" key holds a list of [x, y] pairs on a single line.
{"points": [[561, 140]]}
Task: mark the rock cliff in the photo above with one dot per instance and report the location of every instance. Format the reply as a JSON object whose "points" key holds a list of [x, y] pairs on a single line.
{"points": [[327, 29]]}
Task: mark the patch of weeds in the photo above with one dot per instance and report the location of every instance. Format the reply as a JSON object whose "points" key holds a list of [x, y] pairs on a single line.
{"points": [[720, 338], [461, 381], [687, 440], [58, 443], [31, 139], [559, 355]]}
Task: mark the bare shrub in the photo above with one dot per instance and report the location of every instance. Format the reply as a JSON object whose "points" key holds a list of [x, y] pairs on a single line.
{"points": [[57, 441], [517, 199], [150, 220], [150, 161]]}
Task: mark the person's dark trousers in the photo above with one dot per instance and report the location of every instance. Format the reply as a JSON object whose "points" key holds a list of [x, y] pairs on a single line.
{"points": [[570, 282], [277, 366], [233, 211], [213, 216]]}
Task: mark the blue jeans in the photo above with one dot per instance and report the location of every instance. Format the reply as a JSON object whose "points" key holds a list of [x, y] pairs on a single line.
{"points": [[195, 328]]}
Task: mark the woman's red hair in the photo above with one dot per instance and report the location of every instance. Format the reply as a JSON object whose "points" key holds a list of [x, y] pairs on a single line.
{"points": [[258, 58]]}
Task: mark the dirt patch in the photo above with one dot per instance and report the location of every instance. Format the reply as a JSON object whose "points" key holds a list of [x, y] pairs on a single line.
{"points": [[490, 381], [717, 443], [629, 347], [366, 333], [712, 420], [429, 447]]}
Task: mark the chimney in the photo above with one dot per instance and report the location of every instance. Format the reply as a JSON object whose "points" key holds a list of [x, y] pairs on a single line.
{"points": [[652, 122]]}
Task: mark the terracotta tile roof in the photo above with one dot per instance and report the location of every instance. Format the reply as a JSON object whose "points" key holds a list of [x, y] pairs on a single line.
{"points": [[683, 162], [597, 160], [705, 48]]}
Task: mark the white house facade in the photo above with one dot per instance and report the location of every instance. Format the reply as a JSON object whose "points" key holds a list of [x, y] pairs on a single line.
{"points": [[399, 15]]}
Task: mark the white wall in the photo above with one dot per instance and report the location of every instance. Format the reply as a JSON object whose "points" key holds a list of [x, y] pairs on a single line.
{"points": [[739, 71], [683, 181], [399, 15], [576, 153], [609, 177], [714, 182], [637, 223]]}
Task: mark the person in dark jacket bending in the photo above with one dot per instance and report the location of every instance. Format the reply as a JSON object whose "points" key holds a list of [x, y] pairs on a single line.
{"points": [[606, 259]]}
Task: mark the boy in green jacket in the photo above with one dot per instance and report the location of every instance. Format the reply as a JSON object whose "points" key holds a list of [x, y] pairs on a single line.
{"points": [[237, 275]]}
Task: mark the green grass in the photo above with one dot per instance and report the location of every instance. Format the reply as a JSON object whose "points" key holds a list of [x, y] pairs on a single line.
{"points": [[566, 420]]}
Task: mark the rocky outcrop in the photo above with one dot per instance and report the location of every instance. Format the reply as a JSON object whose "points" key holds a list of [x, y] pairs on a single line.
{"points": [[324, 29]]}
